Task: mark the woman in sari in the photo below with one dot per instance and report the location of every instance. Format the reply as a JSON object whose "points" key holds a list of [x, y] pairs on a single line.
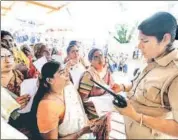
{"points": [[11, 80], [8, 132], [87, 88], [57, 108], [40, 50], [22, 62], [78, 63]]}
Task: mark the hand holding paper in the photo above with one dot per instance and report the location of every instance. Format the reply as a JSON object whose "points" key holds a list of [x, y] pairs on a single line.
{"points": [[23, 100], [76, 74], [103, 104], [28, 86]]}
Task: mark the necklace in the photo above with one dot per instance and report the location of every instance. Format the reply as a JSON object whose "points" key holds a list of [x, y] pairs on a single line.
{"points": [[57, 96]]}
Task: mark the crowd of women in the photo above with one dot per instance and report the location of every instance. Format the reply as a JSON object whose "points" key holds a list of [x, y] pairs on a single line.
{"points": [[61, 108]]}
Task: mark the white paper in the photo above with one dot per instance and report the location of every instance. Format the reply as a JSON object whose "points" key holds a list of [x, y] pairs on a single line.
{"points": [[106, 86], [39, 63], [57, 58], [76, 74], [28, 86], [103, 104]]}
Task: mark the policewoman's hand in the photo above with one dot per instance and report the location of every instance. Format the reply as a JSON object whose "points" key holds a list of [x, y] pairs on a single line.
{"points": [[128, 111]]}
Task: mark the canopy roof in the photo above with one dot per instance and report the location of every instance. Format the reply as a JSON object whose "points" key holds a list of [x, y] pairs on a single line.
{"points": [[47, 7], [88, 18]]}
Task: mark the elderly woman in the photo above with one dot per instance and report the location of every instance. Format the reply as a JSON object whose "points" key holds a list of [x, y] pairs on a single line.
{"points": [[27, 50], [152, 110], [60, 101], [88, 89], [99, 73], [11, 80], [41, 50]]}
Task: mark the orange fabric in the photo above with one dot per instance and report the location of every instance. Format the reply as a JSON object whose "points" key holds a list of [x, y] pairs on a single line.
{"points": [[49, 114]]}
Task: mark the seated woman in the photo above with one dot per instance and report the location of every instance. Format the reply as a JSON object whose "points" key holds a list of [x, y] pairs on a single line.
{"points": [[57, 108], [99, 73], [22, 62], [87, 88], [11, 80], [40, 50], [8, 132], [78, 64]]}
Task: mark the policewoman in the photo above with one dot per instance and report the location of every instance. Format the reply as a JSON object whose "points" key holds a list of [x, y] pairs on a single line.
{"points": [[152, 110]]}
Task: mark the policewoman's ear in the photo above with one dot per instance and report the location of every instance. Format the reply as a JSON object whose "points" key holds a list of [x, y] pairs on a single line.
{"points": [[166, 39]]}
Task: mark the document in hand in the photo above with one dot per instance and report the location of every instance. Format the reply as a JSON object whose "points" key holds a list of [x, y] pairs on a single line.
{"points": [[28, 86], [103, 104], [76, 74], [39, 63]]}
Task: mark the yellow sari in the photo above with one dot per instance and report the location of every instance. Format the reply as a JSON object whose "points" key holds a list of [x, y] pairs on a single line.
{"points": [[20, 57]]}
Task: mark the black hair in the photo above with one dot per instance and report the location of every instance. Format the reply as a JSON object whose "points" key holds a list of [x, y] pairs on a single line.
{"points": [[5, 46], [176, 33], [48, 71], [71, 44], [4, 33], [54, 51], [158, 25], [91, 53]]}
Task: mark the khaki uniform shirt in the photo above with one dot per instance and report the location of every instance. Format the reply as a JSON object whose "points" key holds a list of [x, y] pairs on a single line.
{"points": [[146, 97]]}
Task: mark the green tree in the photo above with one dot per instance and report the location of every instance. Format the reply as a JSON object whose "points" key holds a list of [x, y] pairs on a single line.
{"points": [[123, 34]]}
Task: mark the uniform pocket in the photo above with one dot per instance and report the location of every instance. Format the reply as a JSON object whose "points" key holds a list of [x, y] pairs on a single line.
{"points": [[153, 94]]}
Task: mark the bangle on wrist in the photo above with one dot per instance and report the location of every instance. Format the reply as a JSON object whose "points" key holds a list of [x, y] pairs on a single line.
{"points": [[141, 120]]}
